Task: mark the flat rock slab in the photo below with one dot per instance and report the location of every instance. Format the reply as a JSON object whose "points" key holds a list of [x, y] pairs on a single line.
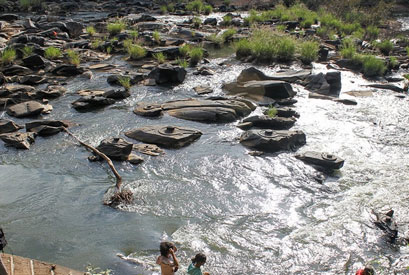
{"points": [[89, 103], [115, 148], [8, 126], [252, 73], [166, 136], [46, 127], [18, 140], [148, 149], [274, 123], [325, 160], [26, 109], [273, 141]]}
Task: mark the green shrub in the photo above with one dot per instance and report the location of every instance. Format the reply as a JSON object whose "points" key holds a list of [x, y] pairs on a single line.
{"points": [[373, 66], [281, 28], [331, 21], [306, 23], [217, 39], [393, 63], [91, 30], [385, 47], [160, 57], [27, 51], [371, 33], [125, 82], [136, 52], [271, 111], [171, 7], [8, 56], [196, 22], [348, 29], [195, 54], [184, 50], [243, 48], [207, 9], [116, 28], [164, 9], [95, 44], [285, 49], [52, 53], [228, 34], [134, 34], [195, 5], [109, 50], [73, 57], [309, 51], [27, 4], [182, 62], [156, 36], [227, 20], [348, 48]]}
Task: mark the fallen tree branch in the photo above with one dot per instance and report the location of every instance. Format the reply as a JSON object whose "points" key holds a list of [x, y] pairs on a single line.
{"points": [[102, 155]]}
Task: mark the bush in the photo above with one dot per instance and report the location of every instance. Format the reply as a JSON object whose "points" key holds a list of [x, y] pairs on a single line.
{"points": [[271, 111], [195, 54], [73, 57], [125, 82], [285, 49], [171, 7], [348, 29], [196, 5], [371, 33], [184, 50], [228, 34], [27, 51], [134, 34], [136, 52], [207, 9], [309, 51], [348, 49], [217, 39], [196, 22], [8, 56], [156, 36], [373, 66], [385, 47], [27, 4], [306, 23], [160, 57], [393, 63], [243, 48], [96, 44], [164, 9], [52, 53], [91, 30], [227, 20], [182, 62], [116, 28]]}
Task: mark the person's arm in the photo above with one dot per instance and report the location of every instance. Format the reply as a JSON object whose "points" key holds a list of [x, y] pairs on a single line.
{"points": [[175, 260]]}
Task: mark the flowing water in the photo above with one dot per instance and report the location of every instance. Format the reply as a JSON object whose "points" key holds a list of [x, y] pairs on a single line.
{"points": [[249, 215]]}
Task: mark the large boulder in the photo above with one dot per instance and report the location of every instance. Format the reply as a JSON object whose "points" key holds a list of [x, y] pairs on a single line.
{"points": [[272, 141], [51, 92], [34, 61], [166, 136], [168, 75], [88, 103], [171, 52], [26, 109], [74, 28], [264, 88], [18, 140], [115, 148], [8, 126], [326, 84], [275, 123]]}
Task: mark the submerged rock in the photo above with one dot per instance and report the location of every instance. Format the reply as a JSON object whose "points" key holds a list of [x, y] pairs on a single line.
{"points": [[166, 136], [272, 141], [115, 148], [18, 140], [325, 160], [67, 70]]}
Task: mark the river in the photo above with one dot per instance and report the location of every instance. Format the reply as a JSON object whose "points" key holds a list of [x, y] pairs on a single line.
{"points": [[249, 215]]}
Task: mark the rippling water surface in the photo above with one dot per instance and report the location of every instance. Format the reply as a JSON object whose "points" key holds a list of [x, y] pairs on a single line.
{"points": [[250, 215]]}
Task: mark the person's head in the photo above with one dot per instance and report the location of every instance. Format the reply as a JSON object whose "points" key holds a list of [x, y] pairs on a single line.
{"points": [[199, 259], [164, 248], [369, 270]]}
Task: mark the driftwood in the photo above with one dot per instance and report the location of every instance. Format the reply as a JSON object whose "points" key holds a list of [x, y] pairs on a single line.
{"points": [[118, 196]]}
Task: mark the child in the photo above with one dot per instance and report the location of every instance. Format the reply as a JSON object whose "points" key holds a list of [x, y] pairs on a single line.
{"points": [[197, 262], [368, 270], [168, 265]]}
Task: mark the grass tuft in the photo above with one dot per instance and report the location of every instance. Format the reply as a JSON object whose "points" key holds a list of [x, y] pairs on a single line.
{"points": [[52, 53]]}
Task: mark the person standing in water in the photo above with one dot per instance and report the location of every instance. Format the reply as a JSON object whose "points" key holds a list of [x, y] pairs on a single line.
{"points": [[167, 260], [197, 262], [368, 270]]}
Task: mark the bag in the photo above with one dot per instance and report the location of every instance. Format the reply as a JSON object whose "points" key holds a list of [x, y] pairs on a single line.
{"points": [[3, 241]]}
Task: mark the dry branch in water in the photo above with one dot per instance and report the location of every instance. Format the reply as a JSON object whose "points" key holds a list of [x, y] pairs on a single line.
{"points": [[119, 196]]}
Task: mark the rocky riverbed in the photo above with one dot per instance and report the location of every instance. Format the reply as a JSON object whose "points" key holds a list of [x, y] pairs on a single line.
{"points": [[209, 166]]}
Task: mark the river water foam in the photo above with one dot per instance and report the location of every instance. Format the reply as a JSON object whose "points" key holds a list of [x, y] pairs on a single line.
{"points": [[250, 215]]}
